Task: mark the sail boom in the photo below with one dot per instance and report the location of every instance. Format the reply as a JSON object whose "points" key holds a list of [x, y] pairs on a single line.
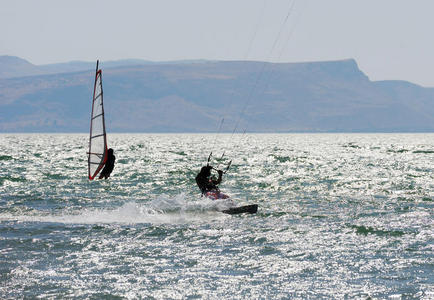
{"points": [[94, 153]]}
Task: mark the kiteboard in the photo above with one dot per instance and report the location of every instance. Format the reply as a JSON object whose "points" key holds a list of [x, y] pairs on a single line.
{"points": [[233, 210], [250, 209]]}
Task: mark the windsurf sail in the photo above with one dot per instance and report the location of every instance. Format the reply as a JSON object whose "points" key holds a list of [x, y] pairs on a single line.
{"points": [[97, 155]]}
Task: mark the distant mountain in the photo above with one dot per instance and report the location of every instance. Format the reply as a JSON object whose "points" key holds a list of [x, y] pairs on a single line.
{"points": [[141, 96], [12, 66]]}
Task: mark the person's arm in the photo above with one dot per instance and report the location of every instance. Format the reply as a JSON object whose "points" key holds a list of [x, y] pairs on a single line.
{"points": [[220, 177]]}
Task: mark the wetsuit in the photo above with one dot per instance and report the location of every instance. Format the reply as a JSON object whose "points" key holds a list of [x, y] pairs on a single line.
{"points": [[206, 183], [109, 165]]}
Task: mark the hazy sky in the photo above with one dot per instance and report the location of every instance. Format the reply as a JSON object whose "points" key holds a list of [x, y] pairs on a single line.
{"points": [[390, 39]]}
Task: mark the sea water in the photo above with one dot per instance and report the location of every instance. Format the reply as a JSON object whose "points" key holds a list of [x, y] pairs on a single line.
{"points": [[341, 216]]}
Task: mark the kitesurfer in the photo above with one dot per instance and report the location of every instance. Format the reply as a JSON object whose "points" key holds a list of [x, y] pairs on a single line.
{"points": [[109, 165], [208, 184]]}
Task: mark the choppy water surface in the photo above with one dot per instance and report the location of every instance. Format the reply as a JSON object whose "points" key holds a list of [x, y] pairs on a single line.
{"points": [[340, 216]]}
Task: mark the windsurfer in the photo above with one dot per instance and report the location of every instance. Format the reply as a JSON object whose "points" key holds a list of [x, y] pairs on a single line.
{"points": [[208, 184], [109, 165]]}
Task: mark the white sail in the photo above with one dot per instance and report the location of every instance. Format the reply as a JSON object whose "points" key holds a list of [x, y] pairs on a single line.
{"points": [[97, 154]]}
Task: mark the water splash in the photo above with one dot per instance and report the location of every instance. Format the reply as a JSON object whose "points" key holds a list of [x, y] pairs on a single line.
{"points": [[163, 209]]}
